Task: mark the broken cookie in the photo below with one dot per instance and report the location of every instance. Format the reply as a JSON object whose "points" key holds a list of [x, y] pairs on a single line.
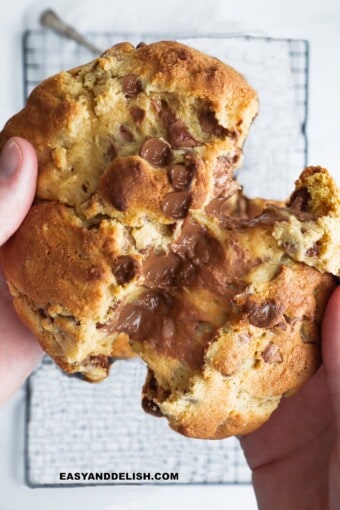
{"points": [[139, 237]]}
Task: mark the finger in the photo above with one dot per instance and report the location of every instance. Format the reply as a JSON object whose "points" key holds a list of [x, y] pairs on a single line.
{"points": [[331, 350], [20, 352], [18, 175]]}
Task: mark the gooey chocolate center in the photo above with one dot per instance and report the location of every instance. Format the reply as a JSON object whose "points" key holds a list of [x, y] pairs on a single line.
{"points": [[170, 313]]}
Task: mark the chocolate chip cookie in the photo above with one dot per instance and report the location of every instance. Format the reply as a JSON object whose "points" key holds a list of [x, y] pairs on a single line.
{"points": [[139, 234], [126, 146]]}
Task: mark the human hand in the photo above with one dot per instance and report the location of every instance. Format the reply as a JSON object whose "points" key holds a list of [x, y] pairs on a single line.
{"points": [[19, 350], [295, 456]]}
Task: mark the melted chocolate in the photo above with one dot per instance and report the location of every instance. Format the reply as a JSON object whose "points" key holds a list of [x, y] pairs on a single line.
{"points": [[209, 124], [160, 270], [283, 214], [299, 204], [176, 204], [169, 270], [223, 175], [164, 316], [197, 245], [299, 199], [219, 206], [124, 269], [156, 151], [174, 328], [143, 319], [178, 133], [204, 264]]}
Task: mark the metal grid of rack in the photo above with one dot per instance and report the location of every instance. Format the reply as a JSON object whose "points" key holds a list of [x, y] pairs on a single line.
{"points": [[73, 426]]}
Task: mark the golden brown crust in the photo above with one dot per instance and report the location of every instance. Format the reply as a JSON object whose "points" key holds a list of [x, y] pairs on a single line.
{"points": [[81, 284], [195, 101], [139, 236], [162, 64]]}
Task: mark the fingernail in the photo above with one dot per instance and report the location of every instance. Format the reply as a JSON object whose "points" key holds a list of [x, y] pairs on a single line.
{"points": [[10, 159]]}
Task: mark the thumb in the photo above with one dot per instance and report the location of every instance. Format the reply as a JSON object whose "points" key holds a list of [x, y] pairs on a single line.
{"points": [[331, 350], [18, 175]]}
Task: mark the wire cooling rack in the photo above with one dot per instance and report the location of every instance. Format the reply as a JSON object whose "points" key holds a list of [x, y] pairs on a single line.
{"points": [[76, 427]]}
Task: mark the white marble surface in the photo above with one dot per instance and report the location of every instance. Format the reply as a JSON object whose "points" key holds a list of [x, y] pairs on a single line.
{"points": [[317, 21]]}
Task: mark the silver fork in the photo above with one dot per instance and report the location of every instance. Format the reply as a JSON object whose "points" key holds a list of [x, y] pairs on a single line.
{"points": [[51, 20]]}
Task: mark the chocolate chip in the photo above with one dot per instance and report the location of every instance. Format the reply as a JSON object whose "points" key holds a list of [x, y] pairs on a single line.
{"points": [[166, 114], [271, 354], [299, 199], [98, 360], [140, 45], [124, 269], [125, 133], [262, 315], [137, 113], [152, 383], [313, 251], [150, 407], [156, 151], [287, 245], [179, 135], [176, 204], [209, 124], [180, 177], [42, 313], [131, 85]]}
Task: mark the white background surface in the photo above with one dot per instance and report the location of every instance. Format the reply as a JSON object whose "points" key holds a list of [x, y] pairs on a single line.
{"points": [[311, 19]]}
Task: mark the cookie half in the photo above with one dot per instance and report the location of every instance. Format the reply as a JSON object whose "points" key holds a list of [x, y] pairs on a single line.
{"points": [[126, 146]]}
